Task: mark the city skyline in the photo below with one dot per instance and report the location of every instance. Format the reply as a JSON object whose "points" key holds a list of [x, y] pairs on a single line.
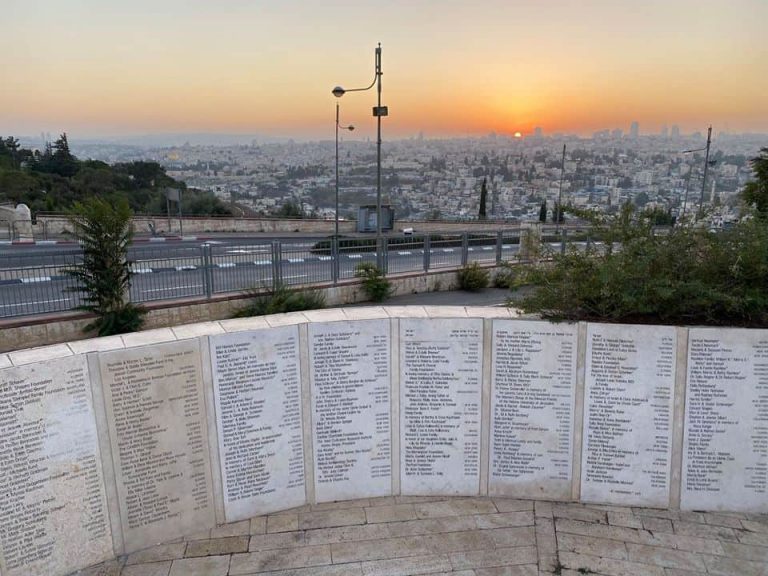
{"points": [[111, 69]]}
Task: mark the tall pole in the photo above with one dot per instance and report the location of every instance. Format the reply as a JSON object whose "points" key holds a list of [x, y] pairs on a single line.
{"points": [[704, 177], [181, 220], [685, 201], [560, 192], [378, 159], [168, 209], [336, 218]]}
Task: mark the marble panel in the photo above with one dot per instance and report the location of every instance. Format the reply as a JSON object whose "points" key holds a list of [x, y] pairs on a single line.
{"points": [[53, 507], [628, 409], [257, 393], [440, 405], [351, 431], [533, 380], [155, 409], [725, 446]]}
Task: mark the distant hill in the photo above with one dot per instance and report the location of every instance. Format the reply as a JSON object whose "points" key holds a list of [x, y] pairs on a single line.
{"points": [[52, 180]]}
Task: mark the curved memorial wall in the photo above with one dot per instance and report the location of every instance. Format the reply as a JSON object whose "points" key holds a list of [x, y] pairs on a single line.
{"points": [[111, 445]]}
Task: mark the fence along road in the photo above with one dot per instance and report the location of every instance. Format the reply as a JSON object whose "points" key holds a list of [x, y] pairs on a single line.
{"points": [[35, 282]]}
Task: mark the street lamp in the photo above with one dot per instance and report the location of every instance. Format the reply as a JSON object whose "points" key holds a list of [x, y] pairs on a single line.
{"points": [[350, 128], [704, 177], [379, 111]]}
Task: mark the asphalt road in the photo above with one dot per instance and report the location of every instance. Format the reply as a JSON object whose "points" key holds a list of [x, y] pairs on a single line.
{"points": [[31, 279]]}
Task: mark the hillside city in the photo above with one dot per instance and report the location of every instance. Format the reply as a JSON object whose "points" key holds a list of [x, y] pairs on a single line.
{"points": [[426, 178]]}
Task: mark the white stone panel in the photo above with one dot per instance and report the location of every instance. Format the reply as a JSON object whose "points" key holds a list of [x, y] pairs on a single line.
{"points": [[155, 408], [53, 507], [628, 408], [257, 392], [725, 449], [39, 354], [351, 431], [533, 380], [440, 405]]}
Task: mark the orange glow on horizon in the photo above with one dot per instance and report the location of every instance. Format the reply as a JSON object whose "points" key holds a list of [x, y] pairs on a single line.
{"points": [[268, 67]]}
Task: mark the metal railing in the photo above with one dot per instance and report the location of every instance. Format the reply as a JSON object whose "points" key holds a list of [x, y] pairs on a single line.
{"points": [[35, 281]]}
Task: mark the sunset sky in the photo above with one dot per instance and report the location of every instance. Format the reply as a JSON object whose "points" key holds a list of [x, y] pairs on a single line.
{"points": [[451, 68]]}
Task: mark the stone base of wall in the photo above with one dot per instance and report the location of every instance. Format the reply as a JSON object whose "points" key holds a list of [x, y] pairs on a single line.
{"points": [[33, 331]]}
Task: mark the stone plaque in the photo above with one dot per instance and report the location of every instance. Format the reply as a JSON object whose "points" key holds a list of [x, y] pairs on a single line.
{"points": [[53, 506], [157, 425], [351, 432], [725, 450], [441, 365], [628, 405], [257, 391], [533, 379]]}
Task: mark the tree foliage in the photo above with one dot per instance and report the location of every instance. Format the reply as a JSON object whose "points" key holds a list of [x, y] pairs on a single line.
{"points": [[53, 180], [483, 200], [686, 276], [756, 192], [104, 231]]}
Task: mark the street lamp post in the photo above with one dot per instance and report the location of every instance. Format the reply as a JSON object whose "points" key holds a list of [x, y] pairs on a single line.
{"points": [[379, 111], [560, 193], [704, 177], [350, 128]]}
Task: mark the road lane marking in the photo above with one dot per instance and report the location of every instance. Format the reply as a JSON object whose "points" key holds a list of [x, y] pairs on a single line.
{"points": [[33, 303], [172, 288]]}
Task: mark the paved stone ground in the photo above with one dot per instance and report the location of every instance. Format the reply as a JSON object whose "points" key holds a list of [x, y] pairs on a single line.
{"points": [[398, 536]]}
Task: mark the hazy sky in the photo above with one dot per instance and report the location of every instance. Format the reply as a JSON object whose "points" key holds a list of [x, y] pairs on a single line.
{"points": [[107, 67]]}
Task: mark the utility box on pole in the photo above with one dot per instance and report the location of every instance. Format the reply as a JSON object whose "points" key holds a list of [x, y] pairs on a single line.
{"points": [[366, 218]]}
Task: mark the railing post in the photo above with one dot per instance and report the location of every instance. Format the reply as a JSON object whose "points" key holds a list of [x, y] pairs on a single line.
{"points": [[383, 250], [207, 270], [464, 248], [499, 246], [335, 258], [277, 267], [563, 240], [427, 251]]}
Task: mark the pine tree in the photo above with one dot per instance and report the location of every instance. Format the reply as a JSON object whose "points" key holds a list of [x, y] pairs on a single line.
{"points": [[483, 199], [756, 192]]}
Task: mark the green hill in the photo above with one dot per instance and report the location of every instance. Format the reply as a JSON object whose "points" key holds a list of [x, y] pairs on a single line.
{"points": [[53, 179]]}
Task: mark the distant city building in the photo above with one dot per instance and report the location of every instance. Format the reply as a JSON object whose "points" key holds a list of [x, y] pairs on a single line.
{"points": [[664, 131], [675, 131], [634, 130], [538, 132], [617, 133]]}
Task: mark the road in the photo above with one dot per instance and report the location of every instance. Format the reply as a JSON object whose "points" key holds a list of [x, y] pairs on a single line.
{"points": [[32, 279]]}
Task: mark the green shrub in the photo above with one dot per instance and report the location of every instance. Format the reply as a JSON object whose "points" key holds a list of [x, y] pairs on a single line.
{"points": [[688, 276], [472, 278], [506, 276], [104, 232], [281, 300], [375, 284]]}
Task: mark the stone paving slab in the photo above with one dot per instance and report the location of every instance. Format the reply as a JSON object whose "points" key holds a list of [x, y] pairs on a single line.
{"points": [[400, 536]]}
